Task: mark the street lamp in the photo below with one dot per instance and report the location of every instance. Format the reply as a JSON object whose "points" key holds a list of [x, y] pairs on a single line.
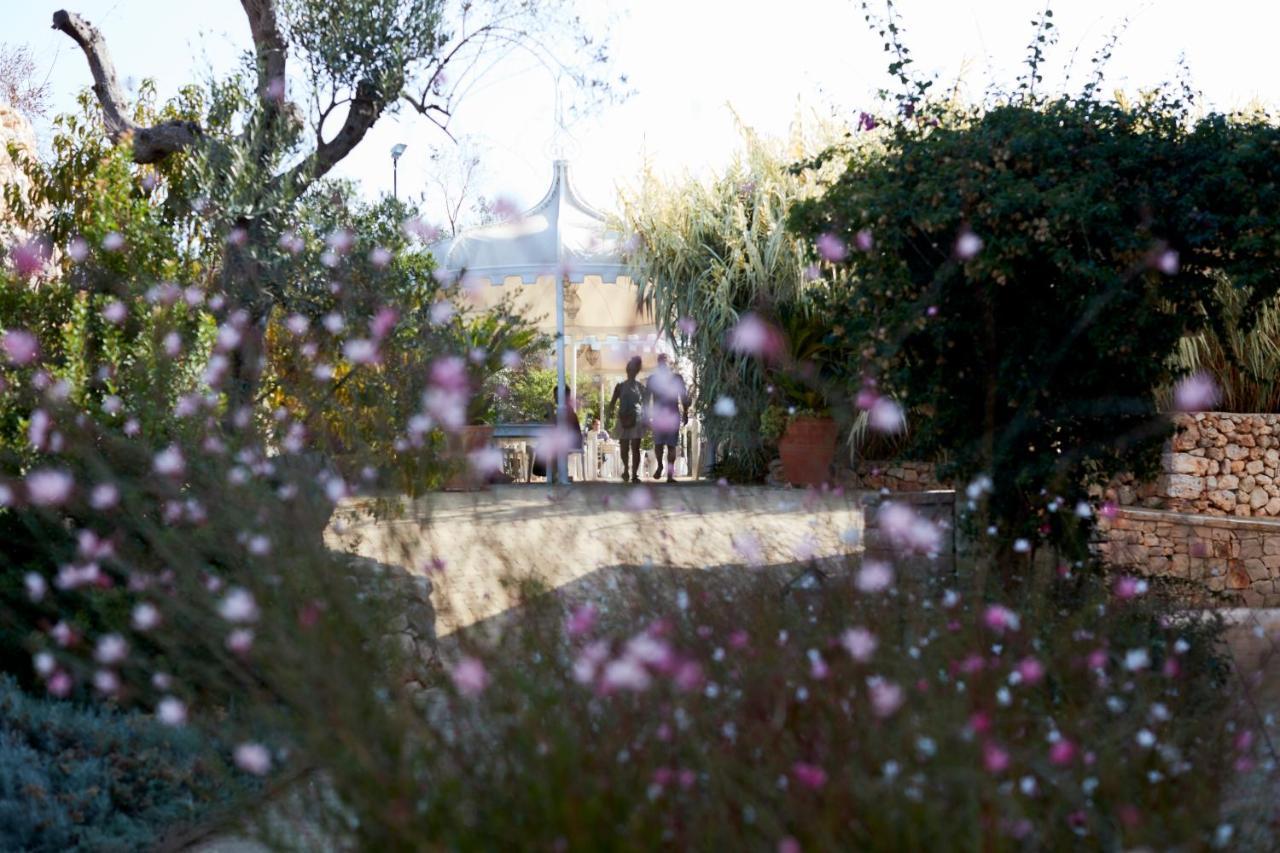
{"points": [[396, 151]]}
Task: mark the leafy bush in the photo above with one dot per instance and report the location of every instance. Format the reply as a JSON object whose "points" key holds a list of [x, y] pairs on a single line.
{"points": [[94, 779], [1029, 269]]}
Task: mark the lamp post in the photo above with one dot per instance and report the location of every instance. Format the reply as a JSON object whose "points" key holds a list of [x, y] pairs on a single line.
{"points": [[396, 151]]}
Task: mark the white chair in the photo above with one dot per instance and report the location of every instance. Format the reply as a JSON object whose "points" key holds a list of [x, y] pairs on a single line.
{"points": [[576, 470]]}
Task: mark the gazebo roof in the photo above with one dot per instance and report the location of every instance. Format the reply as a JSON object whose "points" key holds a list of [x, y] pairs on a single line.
{"points": [[561, 233]]}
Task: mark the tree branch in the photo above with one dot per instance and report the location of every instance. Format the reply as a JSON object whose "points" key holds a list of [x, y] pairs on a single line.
{"points": [[271, 50], [150, 144], [365, 108]]}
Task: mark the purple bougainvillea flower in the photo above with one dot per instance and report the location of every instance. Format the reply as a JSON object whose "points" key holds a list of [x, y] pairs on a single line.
{"points": [[809, 775], [866, 121], [29, 258], [863, 240]]}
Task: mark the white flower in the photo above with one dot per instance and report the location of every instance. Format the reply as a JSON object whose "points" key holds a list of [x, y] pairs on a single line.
{"points": [[859, 643], [112, 649], [145, 616], [171, 711], [49, 487], [886, 416], [725, 407], [968, 245], [169, 462], [36, 586], [239, 606], [1136, 659], [874, 576], [253, 758]]}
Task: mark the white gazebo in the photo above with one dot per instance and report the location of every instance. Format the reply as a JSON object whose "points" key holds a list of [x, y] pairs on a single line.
{"points": [[565, 270]]}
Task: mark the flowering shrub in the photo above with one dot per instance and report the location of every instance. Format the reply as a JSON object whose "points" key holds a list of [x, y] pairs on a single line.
{"points": [[899, 715]]}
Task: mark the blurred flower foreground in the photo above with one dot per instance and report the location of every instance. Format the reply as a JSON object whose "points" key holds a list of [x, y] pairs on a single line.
{"points": [[259, 577]]}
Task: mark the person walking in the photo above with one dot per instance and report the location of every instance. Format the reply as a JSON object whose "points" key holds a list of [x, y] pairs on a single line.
{"points": [[630, 396], [669, 411]]}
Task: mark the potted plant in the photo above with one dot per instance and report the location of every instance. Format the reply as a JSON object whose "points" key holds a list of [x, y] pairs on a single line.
{"points": [[800, 422], [485, 340]]}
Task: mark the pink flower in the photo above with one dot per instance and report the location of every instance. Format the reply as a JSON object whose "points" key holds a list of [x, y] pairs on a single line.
{"points": [[449, 374], [441, 312], [383, 322], [753, 336], [1127, 587], [49, 487], [1031, 670], [1196, 393], [582, 620], [588, 662], [908, 531], [874, 576], [59, 684], [380, 257], [886, 698], [863, 240], [115, 312], [831, 248], [999, 618], [688, 676], [253, 758], [809, 775], [625, 673], [994, 758], [240, 641], [1062, 753], [1168, 262], [29, 258], [469, 676], [788, 845], [859, 643], [20, 347], [687, 326]]}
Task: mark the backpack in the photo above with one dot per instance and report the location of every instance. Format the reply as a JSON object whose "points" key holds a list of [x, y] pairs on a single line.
{"points": [[631, 399]]}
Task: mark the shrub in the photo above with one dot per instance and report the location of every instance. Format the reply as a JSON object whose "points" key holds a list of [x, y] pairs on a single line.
{"points": [[1029, 267], [94, 779], [720, 708]]}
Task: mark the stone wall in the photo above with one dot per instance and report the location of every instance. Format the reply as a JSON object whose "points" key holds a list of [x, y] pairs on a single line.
{"points": [[1232, 561], [1218, 463], [895, 475]]}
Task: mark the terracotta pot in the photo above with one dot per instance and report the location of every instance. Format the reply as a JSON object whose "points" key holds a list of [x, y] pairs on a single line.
{"points": [[807, 449], [469, 440]]}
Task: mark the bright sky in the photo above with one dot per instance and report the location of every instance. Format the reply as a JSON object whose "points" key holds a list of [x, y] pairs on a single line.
{"points": [[688, 60]]}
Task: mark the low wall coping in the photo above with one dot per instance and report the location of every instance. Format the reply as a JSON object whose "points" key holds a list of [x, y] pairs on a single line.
{"points": [[1192, 519]]}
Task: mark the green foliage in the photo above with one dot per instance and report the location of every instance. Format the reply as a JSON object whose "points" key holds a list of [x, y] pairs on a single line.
{"points": [[94, 779], [1242, 359], [531, 392], [1033, 359], [713, 251]]}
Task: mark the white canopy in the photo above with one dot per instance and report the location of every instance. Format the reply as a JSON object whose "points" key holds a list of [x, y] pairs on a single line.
{"points": [[566, 272]]}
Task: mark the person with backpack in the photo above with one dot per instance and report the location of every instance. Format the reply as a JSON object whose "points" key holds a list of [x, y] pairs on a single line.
{"points": [[631, 397]]}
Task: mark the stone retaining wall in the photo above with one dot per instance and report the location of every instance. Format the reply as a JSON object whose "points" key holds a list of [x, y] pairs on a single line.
{"points": [[1236, 561], [1218, 463], [896, 476]]}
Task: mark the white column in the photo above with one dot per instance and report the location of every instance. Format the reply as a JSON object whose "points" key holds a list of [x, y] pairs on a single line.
{"points": [[562, 465]]}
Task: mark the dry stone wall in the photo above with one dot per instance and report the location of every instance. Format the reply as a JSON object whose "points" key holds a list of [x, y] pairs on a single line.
{"points": [[896, 476], [1218, 463], [1231, 560]]}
